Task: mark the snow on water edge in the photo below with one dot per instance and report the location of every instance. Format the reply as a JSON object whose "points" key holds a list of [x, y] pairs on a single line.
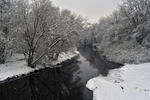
{"points": [[65, 56], [16, 66], [132, 82]]}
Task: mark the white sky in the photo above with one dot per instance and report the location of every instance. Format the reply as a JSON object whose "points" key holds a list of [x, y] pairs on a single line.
{"points": [[92, 9]]}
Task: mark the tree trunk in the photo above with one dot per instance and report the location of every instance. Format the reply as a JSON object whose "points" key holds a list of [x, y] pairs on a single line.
{"points": [[30, 60]]}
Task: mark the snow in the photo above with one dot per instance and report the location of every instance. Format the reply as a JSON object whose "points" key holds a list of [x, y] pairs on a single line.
{"points": [[13, 69], [65, 56], [17, 66], [131, 82]]}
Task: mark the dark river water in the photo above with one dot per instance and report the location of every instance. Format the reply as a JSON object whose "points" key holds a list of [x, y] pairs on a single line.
{"points": [[65, 83]]}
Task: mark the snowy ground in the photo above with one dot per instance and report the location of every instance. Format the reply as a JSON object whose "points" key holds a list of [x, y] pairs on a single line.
{"points": [[65, 56], [132, 82], [16, 65]]}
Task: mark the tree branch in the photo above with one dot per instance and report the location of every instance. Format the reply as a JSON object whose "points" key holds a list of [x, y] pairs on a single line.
{"points": [[49, 47]]}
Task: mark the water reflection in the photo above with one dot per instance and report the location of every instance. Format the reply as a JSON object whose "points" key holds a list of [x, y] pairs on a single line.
{"points": [[64, 83], [98, 62], [48, 84]]}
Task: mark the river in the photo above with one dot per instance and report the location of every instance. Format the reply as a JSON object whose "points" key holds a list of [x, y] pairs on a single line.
{"points": [[67, 82]]}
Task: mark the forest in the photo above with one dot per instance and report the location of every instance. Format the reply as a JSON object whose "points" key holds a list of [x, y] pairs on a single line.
{"points": [[36, 29], [41, 31], [124, 35]]}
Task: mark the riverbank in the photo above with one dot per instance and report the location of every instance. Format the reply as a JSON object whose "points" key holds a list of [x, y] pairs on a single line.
{"points": [[131, 82], [17, 66], [124, 53]]}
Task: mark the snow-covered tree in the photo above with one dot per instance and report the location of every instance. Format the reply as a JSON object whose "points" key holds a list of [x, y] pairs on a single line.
{"points": [[125, 30], [5, 16], [41, 30]]}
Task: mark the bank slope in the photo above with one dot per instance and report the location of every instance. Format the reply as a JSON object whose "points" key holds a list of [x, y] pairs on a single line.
{"points": [[17, 66], [132, 82]]}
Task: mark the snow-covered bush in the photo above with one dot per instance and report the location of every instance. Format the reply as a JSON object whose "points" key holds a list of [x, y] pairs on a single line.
{"points": [[143, 34]]}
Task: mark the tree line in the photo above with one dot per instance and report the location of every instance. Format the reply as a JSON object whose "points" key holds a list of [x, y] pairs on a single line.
{"points": [[124, 33]]}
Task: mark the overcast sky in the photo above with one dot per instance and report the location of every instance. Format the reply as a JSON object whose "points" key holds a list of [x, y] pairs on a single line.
{"points": [[93, 9]]}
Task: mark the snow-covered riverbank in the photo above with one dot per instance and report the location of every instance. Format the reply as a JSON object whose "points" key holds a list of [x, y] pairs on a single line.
{"points": [[65, 56], [17, 66], [132, 82]]}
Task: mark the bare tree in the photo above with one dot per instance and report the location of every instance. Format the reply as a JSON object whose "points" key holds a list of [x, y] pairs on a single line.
{"points": [[41, 28]]}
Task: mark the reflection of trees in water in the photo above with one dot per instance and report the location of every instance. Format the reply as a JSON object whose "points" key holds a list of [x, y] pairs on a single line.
{"points": [[48, 84], [15, 90], [55, 84], [98, 61]]}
